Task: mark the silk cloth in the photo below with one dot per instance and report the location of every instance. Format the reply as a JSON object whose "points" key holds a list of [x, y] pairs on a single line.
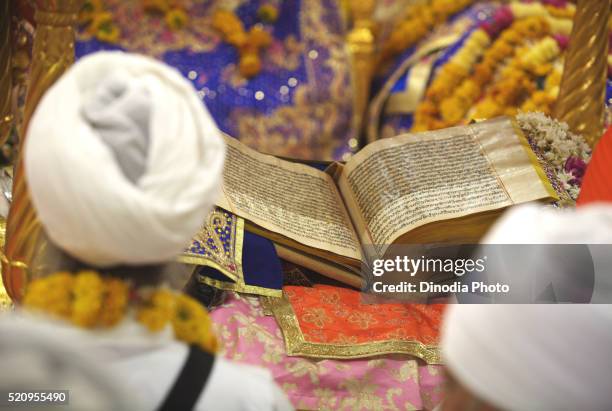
{"points": [[300, 105], [597, 182], [396, 382], [229, 258], [326, 321], [122, 160]]}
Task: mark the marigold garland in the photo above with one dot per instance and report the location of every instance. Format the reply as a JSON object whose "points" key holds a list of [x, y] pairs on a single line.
{"points": [[419, 20], [89, 300], [249, 44], [458, 87], [518, 80]]}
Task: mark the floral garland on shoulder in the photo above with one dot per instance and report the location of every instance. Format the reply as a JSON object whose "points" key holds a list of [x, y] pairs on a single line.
{"points": [[89, 300]]}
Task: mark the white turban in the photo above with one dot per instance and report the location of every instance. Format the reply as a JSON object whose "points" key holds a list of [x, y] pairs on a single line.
{"points": [[123, 161], [538, 357], [532, 357]]}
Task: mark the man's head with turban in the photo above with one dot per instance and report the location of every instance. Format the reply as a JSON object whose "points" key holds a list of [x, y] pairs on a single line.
{"points": [[122, 160]]}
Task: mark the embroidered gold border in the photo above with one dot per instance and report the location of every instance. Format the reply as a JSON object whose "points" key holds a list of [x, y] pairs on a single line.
{"points": [[379, 100], [296, 345], [534, 160], [241, 287], [238, 235]]}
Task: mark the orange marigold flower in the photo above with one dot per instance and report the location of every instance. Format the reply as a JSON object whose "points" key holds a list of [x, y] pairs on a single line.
{"points": [[268, 13], [155, 6], [115, 302], [249, 65], [258, 37], [87, 292], [226, 22], [104, 29]]}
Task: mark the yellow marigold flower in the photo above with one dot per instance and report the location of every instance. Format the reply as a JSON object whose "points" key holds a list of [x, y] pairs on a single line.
{"points": [[268, 13], [237, 39], [427, 17], [89, 10], [523, 10], [480, 37], [529, 105], [164, 299], [156, 6], [52, 294], [192, 324], [511, 111], [258, 37], [511, 36], [158, 310], [87, 292], [469, 90], [153, 318], [456, 70], [554, 79], [104, 29], [426, 108], [483, 73], [418, 127], [250, 65], [176, 19], [226, 22], [487, 108], [533, 27], [452, 110], [559, 26], [541, 97], [115, 302]]}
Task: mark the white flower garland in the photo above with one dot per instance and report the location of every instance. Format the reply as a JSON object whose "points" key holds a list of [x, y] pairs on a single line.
{"points": [[557, 143]]}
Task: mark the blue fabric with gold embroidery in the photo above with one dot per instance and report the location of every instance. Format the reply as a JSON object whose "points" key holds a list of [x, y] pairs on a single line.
{"points": [[230, 258], [300, 105], [260, 264]]}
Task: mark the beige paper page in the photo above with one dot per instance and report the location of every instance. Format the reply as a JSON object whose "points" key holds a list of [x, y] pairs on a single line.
{"points": [[294, 200], [395, 185]]}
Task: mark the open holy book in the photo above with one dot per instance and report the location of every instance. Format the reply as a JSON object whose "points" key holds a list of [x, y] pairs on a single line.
{"points": [[444, 186]]}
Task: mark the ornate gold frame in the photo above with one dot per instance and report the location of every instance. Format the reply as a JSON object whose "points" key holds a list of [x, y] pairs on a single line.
{"points": [[581, 96], [52, 54], [6, 81]]}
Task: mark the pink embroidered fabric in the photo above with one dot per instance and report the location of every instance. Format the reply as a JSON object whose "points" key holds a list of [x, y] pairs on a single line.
{"points": [[382, 383]]}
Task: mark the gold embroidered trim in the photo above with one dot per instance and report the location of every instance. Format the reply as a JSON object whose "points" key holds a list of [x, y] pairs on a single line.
{"points": [[238, 236], [296, 345], [533, 159], [238, 276], [378, 102], [241, 287]]}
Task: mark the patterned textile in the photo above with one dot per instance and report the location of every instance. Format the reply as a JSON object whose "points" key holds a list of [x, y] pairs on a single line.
{"points": [[218, 244], [382, 383], [300, 105], [324, 321], [229, 258]]}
